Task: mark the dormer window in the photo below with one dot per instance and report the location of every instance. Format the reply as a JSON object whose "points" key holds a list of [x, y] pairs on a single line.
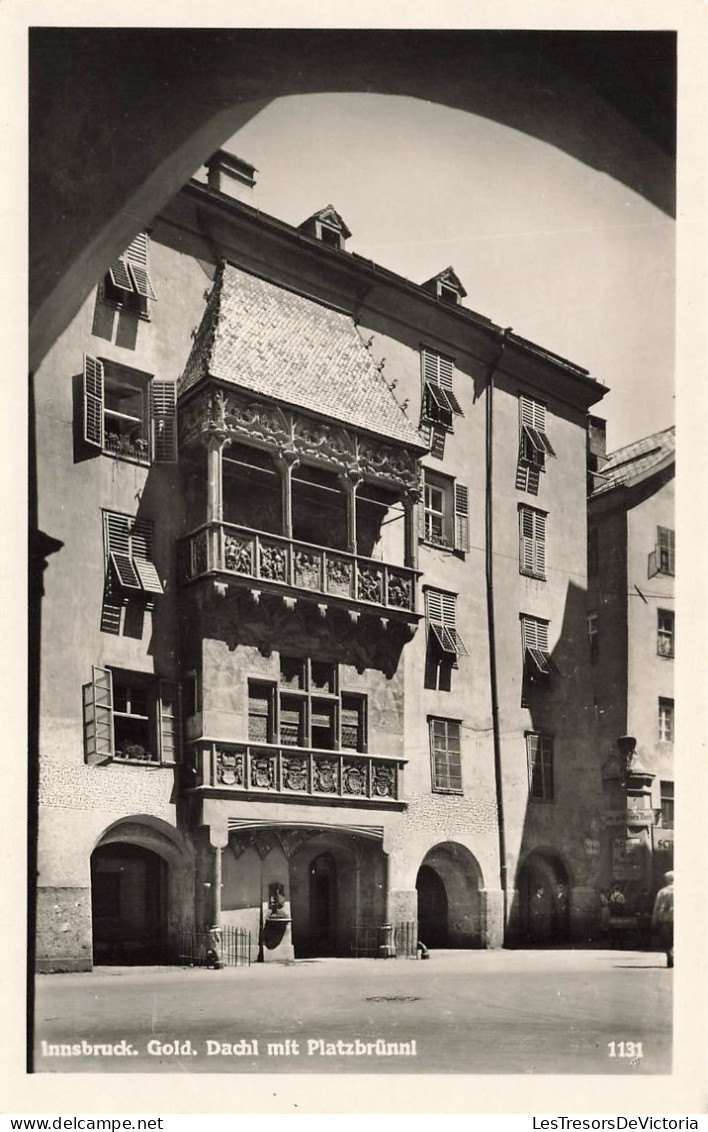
{"points": [[446, 286], [326, 226]]}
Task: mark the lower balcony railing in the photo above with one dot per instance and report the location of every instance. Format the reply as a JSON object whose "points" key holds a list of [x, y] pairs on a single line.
{"points": [[260, 768], [240, 551]]}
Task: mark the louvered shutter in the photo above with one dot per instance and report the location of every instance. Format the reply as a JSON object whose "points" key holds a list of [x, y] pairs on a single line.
{"points": [[164, 422], [168, 717], [533, 413], [433, 599], [448, 610], [98, 717], [141, 546], [526, 540], [93, 401], [120, 276], [118, 544], [462, 522], [540, 543], [137, 260]]}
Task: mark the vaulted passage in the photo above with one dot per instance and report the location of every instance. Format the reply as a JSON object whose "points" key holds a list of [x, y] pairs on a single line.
{"points": [[129, 905], [544, 893], [449, 910]]}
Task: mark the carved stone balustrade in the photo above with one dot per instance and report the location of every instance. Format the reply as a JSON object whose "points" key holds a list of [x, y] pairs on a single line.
{"points": [[297, 773], [265, 561]]}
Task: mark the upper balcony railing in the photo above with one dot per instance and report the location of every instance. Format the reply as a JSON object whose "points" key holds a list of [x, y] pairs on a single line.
{"points": [[296, 773], [285, 563]]}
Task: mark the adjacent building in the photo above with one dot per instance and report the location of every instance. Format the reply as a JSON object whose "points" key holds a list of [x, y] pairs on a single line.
{"points": [[631, 644], [315, 660]]}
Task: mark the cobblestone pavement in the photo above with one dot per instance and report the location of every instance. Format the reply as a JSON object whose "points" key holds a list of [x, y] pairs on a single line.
{"points": [[522, 1012]]}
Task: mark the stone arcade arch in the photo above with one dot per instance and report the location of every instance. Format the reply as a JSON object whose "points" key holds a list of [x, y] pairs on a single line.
{"points": [[449, 902], [142, 892], [544, 887]]}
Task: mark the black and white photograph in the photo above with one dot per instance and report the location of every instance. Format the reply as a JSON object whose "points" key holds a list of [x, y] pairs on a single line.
{"points": [[352, 568]]}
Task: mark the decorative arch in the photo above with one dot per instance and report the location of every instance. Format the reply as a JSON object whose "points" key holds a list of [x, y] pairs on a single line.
{"points": [[544, 884], [448, 884]]}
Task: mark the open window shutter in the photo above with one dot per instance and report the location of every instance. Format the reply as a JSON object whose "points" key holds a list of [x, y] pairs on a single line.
{"points": [[526, 542], [137, 259], [421, 515], [168, 722], [164, 422], [98, 717], [93, 401], [120, 276], [141, 545], [462, 522], [117, 536]]}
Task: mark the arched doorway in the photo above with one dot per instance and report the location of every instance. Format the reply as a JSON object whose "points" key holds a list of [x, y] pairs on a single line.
{"points": [[448, 884], [129, 905], [432, 908], [544, 896]]}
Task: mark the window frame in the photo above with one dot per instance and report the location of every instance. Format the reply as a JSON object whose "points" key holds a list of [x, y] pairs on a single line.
{"points": [[439, 405], [534, 445], [451, 756], [304, 700], [163, 717], [666, 803], [157, 421], [665, 634], [542, 758], [532, 547], [454, 512], [666, 719], [129, 568]]}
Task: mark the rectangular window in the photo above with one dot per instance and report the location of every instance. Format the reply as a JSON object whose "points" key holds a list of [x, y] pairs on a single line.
{"points": [[662, 557], [440, 614], [534, 445], [306, 709], [539, 750], [532, 542], [130, 570], [666, 720], [445, 512], [667, 805], [445, 755], [593, 636], [131, 717], [665, 632], [534, 640], [127, 413], [439, 402], [128, 282]]}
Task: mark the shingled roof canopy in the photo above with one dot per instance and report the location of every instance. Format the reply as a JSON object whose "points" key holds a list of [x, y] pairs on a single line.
{"points": [[637, 459], [285, 347]]}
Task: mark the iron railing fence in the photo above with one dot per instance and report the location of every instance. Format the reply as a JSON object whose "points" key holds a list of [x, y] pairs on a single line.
{"points": [[375, 940], [228, 946]]}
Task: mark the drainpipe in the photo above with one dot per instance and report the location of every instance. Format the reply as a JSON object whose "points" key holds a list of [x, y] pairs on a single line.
{"points": [[489, 569]]}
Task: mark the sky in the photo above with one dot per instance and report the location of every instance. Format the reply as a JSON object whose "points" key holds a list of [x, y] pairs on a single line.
{"points": [[568, 257]]}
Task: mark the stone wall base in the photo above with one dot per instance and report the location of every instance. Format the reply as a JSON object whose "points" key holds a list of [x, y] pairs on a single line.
{"points": [[63, 931]]}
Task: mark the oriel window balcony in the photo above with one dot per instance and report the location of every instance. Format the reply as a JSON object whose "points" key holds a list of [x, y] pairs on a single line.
{"points": [[296, 774], [271, 561], [266, 523]]}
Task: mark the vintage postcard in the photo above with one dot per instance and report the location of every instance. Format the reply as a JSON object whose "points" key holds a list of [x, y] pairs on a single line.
{"points": [[354, 687]]}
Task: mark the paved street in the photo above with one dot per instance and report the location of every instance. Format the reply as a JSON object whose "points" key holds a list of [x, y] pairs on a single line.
{"points": [[460, 1012]]}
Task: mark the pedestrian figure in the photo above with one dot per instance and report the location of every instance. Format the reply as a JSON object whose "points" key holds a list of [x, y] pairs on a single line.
{"points": [[663, 917]]}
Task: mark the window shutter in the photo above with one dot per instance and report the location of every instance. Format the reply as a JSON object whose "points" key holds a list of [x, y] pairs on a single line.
{"points": [[540, 543], [168, 715], [120, 276], [98, 717], [433, 599], [164, 422], [118, 547], [141, 545], [448, 610], [462, 524], [93, 401], [137, 258]]}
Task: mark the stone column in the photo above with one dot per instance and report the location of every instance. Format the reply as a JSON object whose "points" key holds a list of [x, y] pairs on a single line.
{"points": [[350, 482], [411, 501], [219, 839], [286, 461], [216, 440]]}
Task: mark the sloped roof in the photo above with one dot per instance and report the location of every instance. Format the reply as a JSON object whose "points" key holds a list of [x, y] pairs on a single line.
{"points": [[281, 345], [636, 460]]}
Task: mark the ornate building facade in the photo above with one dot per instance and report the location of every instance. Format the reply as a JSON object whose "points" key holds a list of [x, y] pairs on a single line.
{"points": [[314, 639]]}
